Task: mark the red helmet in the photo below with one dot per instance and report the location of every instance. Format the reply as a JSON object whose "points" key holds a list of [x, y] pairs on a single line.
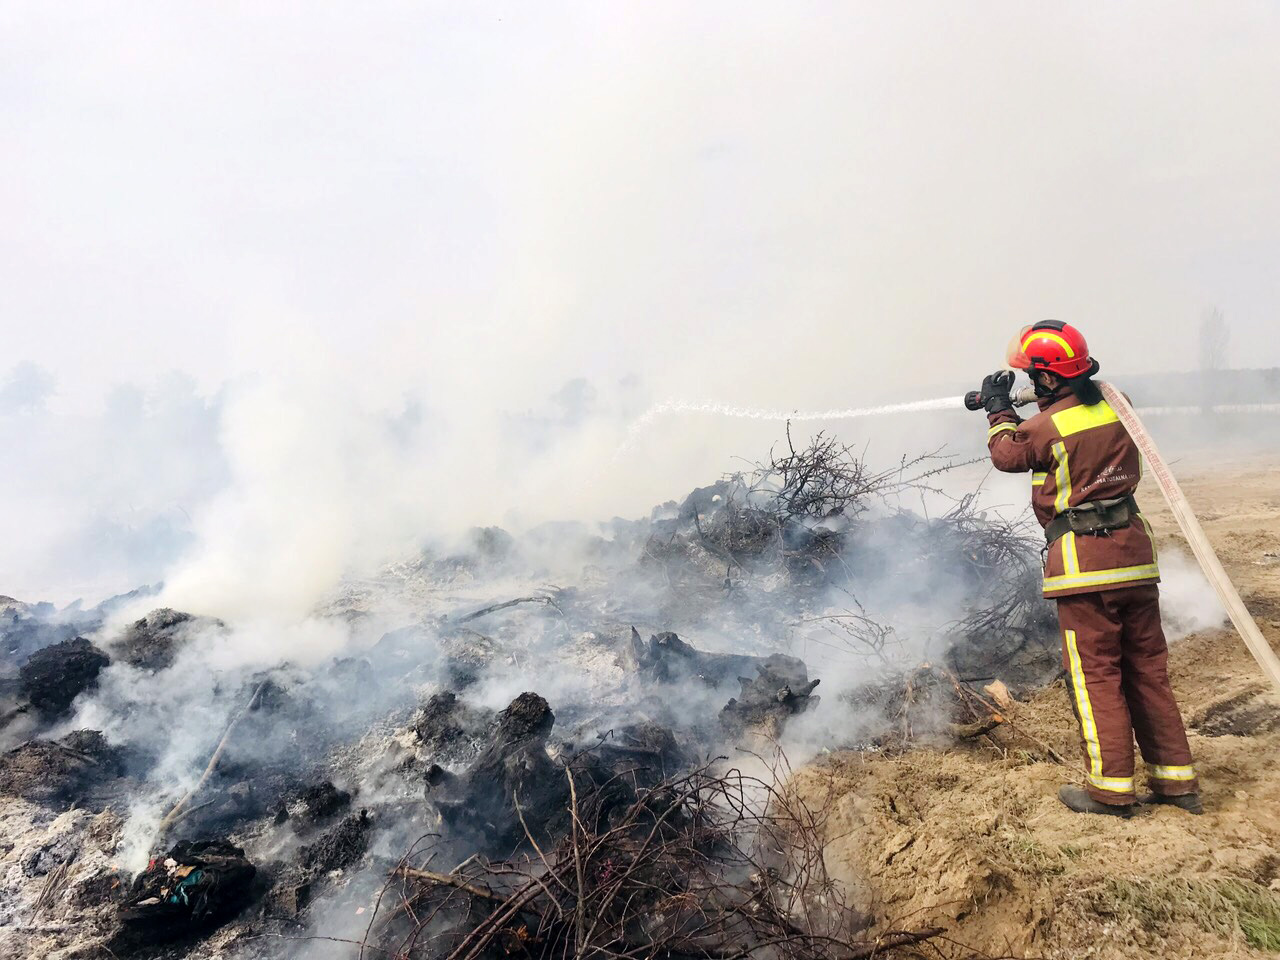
{"points": [[1054, 346]]}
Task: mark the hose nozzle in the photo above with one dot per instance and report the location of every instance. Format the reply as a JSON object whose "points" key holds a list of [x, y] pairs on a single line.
{"points": [[1023, 396], [974, 400]]}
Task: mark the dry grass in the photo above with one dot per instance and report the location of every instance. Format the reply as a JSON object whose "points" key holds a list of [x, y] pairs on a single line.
{"points": [[1230, 908]]}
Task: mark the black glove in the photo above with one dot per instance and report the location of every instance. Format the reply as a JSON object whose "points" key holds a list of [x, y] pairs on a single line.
{"points": [[995, 391]]}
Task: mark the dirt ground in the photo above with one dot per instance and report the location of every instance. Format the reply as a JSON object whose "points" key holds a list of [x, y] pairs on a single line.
{"points": [[979, 843]]}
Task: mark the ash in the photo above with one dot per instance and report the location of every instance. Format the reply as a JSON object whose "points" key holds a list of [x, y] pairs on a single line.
{"points": [[571, 740]]}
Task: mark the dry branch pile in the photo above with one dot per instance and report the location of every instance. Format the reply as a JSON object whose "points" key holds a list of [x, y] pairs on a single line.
{"points": [[700, 865], [792, 514], [815, 530]]}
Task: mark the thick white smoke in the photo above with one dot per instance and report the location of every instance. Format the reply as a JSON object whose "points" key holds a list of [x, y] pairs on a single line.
{"points": [[1188, 604], [382, 241]]}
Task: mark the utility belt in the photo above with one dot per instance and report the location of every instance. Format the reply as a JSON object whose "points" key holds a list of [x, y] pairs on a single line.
{"points": [[1094, 517]]}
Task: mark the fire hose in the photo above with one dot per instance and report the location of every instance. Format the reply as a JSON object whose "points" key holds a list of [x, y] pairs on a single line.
{"points": [[1199, 543], [1241, 619]]}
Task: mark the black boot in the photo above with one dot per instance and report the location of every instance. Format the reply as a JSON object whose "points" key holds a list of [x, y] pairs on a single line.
{"points": [[1189, 802], [1078, 800]]}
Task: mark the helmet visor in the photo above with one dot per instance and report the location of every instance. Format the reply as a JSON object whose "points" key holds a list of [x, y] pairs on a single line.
{"points": [[1016, 356]]}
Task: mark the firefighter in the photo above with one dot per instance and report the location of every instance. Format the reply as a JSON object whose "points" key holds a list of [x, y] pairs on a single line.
{"points": [[1100, 567]]}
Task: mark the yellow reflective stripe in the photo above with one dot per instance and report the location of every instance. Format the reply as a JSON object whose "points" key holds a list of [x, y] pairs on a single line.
{"points": [[1113, 784], [1173, 773], [1083, 707], [999, 427], [1079, 419], [1070, 558], [1064, 477], [1045, 335], [1038, 479], [1102, 578]]}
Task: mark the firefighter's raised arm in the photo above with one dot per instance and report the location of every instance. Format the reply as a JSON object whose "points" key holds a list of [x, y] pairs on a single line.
{"points": [[1011, 450]]}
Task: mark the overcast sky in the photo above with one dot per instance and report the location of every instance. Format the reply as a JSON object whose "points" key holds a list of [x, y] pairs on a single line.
{"points": [[604, 187], [797, 204]]}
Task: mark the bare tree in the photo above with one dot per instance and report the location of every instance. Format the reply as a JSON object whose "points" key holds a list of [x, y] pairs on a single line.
{"points": [[26, 389], [1215, 337]]}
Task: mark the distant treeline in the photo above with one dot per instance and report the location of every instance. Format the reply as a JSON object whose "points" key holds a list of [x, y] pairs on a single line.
{"points": [[1202, 387]]}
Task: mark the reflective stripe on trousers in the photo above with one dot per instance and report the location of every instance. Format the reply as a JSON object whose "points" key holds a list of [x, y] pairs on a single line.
{"points": [[1115, 655]]}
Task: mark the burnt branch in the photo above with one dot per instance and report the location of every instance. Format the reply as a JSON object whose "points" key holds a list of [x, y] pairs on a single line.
{"points": [[546, 599]]}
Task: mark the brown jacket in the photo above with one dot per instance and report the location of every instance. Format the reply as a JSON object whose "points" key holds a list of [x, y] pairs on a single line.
{"points": [[1076, 454]]}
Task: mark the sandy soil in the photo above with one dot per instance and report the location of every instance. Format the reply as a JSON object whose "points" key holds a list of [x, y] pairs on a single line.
{"points": [[979, 842]]}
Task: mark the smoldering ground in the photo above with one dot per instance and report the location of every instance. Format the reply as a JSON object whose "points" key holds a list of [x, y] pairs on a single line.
{"points": [[295, 568], [342, 697]]}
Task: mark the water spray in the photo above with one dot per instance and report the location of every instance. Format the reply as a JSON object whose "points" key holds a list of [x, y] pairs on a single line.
{"points": [[646, 419], [1021, 397], [763, 413]]}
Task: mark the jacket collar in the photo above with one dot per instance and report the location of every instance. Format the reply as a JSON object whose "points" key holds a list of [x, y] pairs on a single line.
{"points": [[1062, 394]]}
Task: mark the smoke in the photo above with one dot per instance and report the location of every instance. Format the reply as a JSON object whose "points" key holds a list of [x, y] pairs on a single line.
{"points": [[102, 500], [1188, 604], [380, 241]]}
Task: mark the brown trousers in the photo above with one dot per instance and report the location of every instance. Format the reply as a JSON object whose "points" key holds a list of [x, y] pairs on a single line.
{"points": [[1115, 655]]}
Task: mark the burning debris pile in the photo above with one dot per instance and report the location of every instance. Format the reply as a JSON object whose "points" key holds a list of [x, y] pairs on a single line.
{"points": [[813, 540], [513, 771], [77, 769], [53, 677], [45, 660], [241, 807], [777, 687], [28, 627], [153, 642], [196, 885], [695, 865]]}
